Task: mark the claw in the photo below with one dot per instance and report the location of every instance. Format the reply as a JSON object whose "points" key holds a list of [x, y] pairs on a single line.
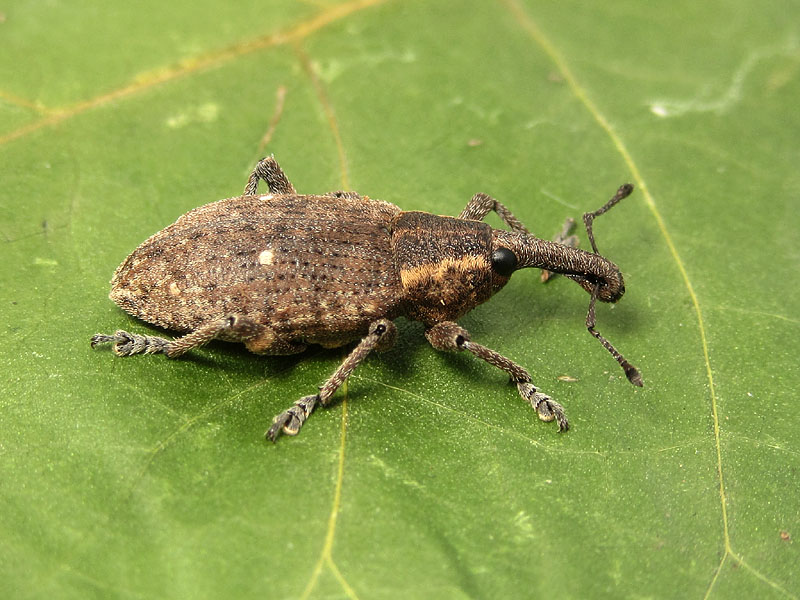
{"points": [[291, 420], [547, 408], [126, 344], [277, 425], [540, 403], [101, 338]]}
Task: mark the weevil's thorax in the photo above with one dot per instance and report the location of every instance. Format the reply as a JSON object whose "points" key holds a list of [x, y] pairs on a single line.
{"points": [[445, 265]]}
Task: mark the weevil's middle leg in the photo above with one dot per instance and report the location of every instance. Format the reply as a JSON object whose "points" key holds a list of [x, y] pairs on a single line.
{"points": [[450, 336], [482, 204], [380, 337]]}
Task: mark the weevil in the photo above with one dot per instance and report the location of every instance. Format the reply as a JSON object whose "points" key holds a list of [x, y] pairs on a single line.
{"points": [[283, 270]]}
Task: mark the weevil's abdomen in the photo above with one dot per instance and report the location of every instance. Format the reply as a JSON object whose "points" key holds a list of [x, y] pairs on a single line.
{"points": [[312, 269]]}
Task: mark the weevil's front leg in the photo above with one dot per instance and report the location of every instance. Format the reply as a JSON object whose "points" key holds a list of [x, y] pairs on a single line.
{"points": [[452, 337], [482, 204], [126, 343], [270, 171], [380, 337]]}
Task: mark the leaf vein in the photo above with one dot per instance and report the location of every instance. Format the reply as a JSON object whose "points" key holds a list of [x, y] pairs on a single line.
{"points": [[200, 63], [533, 30]]}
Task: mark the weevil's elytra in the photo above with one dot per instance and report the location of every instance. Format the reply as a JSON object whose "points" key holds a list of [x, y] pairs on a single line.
{"points": [[282, 270]]}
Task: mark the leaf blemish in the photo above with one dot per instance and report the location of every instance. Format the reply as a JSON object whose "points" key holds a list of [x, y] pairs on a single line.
{"points": [[203, 113]]}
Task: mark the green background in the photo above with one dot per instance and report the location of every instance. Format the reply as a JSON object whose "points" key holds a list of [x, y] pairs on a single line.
{"points": [[428, 477]]}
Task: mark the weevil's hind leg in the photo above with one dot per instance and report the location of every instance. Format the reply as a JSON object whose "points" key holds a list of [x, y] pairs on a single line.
{"points": [[126, 344], [270, 171], [345, 194], [451, 337], [381, 336], [565, 237], [482, 204]]}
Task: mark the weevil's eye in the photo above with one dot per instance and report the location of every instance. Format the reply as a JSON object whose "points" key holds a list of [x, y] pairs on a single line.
{"points": [[504, 261]]}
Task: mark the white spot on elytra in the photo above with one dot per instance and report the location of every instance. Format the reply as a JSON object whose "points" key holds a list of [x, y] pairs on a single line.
{"points": [[265, 197], [174, 289], [266, 257]]}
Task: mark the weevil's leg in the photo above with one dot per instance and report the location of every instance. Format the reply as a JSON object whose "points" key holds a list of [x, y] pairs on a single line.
{"points": [[566, 238], [345, 194], [482, 204], [126, 343], [452, 337], [269, 170], [380, 337]]}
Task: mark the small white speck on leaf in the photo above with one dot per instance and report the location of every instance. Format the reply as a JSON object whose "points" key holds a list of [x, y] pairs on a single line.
{"points": [[204, 113], [659, 110]]}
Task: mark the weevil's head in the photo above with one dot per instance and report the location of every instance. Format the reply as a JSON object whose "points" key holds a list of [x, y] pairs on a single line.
{"points": [[514, 251]]}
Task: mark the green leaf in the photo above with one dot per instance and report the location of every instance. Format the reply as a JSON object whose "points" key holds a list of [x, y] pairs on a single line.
{"points": [[428, 476]]}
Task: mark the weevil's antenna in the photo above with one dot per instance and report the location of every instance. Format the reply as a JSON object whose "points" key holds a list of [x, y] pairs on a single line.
{"points": [[631, 372], [623, 192]]}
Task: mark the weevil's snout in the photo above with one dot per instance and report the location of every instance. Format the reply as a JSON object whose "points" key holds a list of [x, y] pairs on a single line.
{"points": [[514, 251], [610, 285]]}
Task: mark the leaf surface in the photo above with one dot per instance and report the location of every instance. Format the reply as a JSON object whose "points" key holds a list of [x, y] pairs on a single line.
{"points": [[427, 477]]}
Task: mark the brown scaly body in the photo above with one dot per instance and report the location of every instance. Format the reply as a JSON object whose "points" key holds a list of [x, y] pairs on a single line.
{"points": [[279, 271]]}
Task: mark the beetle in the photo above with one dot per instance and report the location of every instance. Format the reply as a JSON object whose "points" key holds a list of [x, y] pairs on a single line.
{"points": [[283, 270]]}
